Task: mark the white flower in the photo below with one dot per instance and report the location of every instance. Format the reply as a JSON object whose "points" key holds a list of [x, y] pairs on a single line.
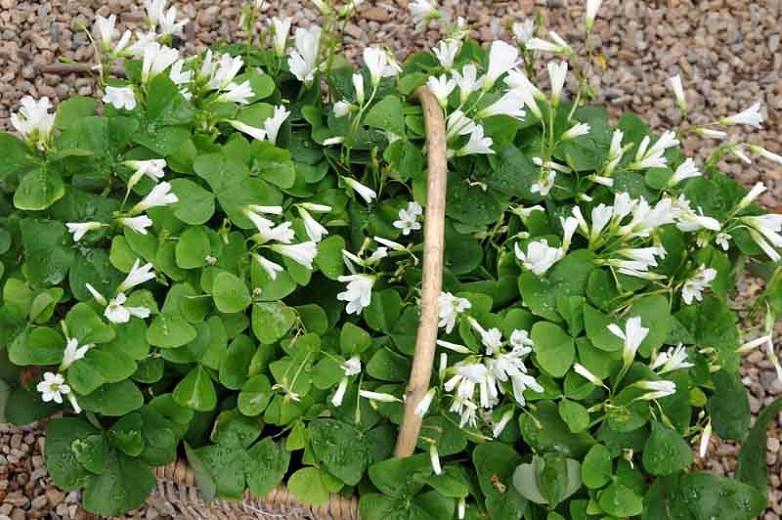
{"points": [[441, 88], [358, 88], [314, 229], [502, 58], [281, 28], [569, 226], [408, 218], [576, 130], [723, 240], [675, 358], [647, 218], [104, 31], [161, 195], [254, 132], [138, 224], [446, 51], [557, 72], [558, 46], [268, 232], [423, 11], [467, 80], [688, 220], [524, 31], [136, 276], [178, 76], [222, 73], [143, 40], [73, 352], [379, 396], [53, 387], [703, 445], [539, 256], [491, 339], [510, 104], [154, 10], [750, 117], [331, 141], [657, 389], [467, 378], [79, 229], [426, 401], [122, 44], [157, 58], [120, 97], [237, 93], [272, 124], [377, 62], [653, 157], [675, 83], [615, 152], [544, 184], [342, 108], [154, 169], [478, 144], [757, 190], [738, 151], [584, 372], [519, 82], [434, 459], [271, 268], [519, 339], [633, 335], [500, 425], [686, 170], [169, 24], [117, 312], [339, 393], [592, 6], [396, 246], [765, 231], [34, 121], [695, 285], [303, 253], [365, 192], [358, 292], [709, 133], [313, 207], [774, 157], [458, 124]]}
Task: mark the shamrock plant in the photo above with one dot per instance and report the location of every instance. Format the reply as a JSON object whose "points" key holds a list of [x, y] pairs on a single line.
{"points": [[220, 259]]}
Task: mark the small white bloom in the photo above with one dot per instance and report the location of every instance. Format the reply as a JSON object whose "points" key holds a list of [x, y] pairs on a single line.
{"points": [[177, 75], [615, 152], [653, 157], [339, 394], [104, 31], [271, 268], [592, 6], [117, 312], [358, 292], [539, 256], [477, 144], [73, 352], [695, 285], [576, 130], [492, 340], [222, 73], [675, 358], [458, 124], [272, 124], [34, 121], [502, 58], [434, 459], [467, 80], [254, 132], [143, 40], [633, 335], [169, 23], [675, 83], [408, 218], [160, 195], [500, 425], [557, 72], [446, 51], [312, 206], [723, 240], [524, 31], [688, 220], [281, 28], [520, 340], [314, 229], [657, 389], [765, 231], [138, 224], [237, 93], [686, 170], [773, 157], [79, 229], [157, 58], [303, 254], [757, 190], [423, 11], [136, 276], [426, 401], [709, 133], [379, 397], [95, 294], [587, 374], [154, 169], [365, 192], [441, 88], [738, 151], [379, 63], [358, 88], [510, 104], [557, 46], [53, 387], [352, 367], [528, 92], [750, 117], [545, 183], [703, 445], [342, 108], [120, 97], [390, 244]]}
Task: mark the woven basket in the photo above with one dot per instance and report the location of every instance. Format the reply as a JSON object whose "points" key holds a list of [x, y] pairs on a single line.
{"points": [[176, 484]]}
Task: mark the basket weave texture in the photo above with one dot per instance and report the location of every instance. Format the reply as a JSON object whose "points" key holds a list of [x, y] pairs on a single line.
{"points": [[176, 483]]}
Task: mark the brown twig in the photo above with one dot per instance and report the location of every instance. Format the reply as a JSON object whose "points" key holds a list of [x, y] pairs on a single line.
{"points": [[434, 247]]}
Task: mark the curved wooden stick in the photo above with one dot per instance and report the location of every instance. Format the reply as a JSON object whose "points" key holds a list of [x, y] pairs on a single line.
{"points": [[434, 248]]}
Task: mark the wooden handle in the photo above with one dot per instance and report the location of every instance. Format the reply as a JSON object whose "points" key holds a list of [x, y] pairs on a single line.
{"points": [[434, 248]]}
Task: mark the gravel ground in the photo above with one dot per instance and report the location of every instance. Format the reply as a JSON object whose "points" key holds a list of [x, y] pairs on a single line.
{"points": [[727, 51]]}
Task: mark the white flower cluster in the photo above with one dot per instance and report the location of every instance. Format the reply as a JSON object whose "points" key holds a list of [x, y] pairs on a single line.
{"points": [[278, 238]]}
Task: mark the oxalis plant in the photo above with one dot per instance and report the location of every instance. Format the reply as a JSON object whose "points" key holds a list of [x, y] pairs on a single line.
{"points": [[220, 259]]}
